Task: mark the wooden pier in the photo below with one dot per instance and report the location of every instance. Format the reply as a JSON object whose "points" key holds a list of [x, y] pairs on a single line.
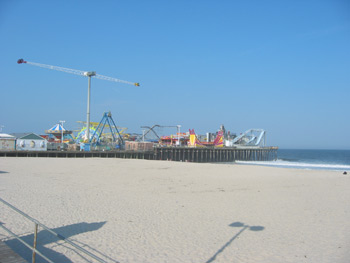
{"points": [[185, 154], [7, 255], [213, 155]]}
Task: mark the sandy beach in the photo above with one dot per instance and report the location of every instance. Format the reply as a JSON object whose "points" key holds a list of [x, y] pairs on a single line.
{"points": [[158, 211]]}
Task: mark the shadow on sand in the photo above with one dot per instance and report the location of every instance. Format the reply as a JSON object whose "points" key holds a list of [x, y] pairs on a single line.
{"points": [[235, 224], [45, 238]]}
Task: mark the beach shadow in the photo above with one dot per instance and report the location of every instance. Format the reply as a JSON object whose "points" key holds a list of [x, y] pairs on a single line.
{"points": [[95, 251], [235, 224], [45, 238]]}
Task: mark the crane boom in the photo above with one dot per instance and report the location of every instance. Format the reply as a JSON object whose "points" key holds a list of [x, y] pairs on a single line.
{"points": [[98, 76], [67, 70], [76, 72]]}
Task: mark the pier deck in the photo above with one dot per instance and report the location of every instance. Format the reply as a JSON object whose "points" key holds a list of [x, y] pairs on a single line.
{"points": [[185, 154], [7, 255]]}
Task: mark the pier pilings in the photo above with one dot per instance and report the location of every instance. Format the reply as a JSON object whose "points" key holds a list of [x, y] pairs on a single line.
{"points": [[180, 154], [212, 155]]}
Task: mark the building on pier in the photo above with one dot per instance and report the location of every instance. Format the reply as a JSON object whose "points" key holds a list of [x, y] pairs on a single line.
{"points": [[7, 142], [30, 142]]}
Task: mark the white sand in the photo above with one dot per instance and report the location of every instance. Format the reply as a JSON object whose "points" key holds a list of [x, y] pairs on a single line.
{"points": [[158, 211]]}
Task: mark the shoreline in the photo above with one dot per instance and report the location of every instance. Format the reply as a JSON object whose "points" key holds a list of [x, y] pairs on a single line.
{"points": [[298, 165]]}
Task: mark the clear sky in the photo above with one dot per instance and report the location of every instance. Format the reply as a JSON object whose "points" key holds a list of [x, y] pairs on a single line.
{"points": [[283, 66]]}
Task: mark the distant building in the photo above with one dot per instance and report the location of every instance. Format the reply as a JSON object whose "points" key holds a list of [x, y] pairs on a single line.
{"points": [[31, 142], [7, 142]]}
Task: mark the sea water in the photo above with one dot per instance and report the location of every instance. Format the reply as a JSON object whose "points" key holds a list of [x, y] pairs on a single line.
{"points": [[310, 159]]}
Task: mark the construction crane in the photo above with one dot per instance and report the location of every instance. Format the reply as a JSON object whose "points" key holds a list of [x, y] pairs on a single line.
{"points": [[88, 74]]}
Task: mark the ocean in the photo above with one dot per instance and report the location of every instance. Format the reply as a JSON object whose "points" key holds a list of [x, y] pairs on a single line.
{"points": [[310, 159]]}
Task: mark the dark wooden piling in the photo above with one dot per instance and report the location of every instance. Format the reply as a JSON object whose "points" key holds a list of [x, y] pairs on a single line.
{"points": [[187, 154]]}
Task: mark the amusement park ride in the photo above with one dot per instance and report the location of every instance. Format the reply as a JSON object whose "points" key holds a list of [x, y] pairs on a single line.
{"points": [[58, 133], [147, 130], [251, 137], [88, 74], [93, 126], [195, 142]]}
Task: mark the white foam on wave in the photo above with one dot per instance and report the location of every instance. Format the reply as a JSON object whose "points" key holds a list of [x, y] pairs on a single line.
{"points": [[286, 164]]}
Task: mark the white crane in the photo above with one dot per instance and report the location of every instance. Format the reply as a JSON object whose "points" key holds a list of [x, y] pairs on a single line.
{"points": [[88, 74]]}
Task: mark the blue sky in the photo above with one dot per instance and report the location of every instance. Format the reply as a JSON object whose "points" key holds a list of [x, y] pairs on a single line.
{"points": [[283, 66]]}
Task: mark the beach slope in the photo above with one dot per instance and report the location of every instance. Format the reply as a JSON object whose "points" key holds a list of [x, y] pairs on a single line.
{"points": [[159, 211]]}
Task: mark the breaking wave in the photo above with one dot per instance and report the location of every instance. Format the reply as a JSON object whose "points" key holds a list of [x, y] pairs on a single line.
{"points": [[298, 165]]}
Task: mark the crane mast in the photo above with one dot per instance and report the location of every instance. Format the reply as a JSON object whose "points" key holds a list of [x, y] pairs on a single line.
{"points": [[88, 74]]}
